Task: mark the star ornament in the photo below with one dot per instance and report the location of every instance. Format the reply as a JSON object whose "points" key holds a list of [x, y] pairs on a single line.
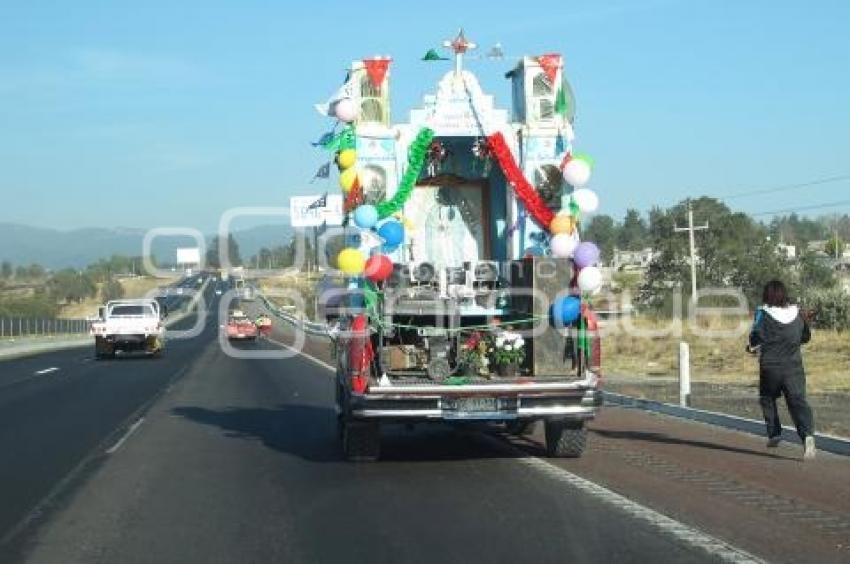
{"points": [[460, 44]]}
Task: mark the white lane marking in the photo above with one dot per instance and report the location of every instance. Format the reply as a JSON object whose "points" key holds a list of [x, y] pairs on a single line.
{"points": [[684, 533], [126, 436], [46, 371], [688, 535], [321, 363]]}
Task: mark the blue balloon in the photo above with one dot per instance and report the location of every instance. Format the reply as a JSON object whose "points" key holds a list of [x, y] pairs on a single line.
{"points": [[366, 216], [392, 232], [566, 310]]}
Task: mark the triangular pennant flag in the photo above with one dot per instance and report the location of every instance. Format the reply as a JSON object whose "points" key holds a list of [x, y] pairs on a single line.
{"points": [[324, 139], [323, 172], [345, 139], [432, 55], [344, 91], [496, 52], [561, 105], [321, 202], [377, 70], [550, 63]]}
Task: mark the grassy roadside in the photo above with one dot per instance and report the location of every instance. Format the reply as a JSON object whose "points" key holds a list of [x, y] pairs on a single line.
{"points": [[716, 359], [296, 290], [133, 288]]}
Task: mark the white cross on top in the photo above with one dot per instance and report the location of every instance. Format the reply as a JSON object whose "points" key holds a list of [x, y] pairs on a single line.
{"points": [[459, 45]]}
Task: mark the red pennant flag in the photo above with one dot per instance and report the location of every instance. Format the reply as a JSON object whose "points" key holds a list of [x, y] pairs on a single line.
{"points": [[377, 70], [550, 63]]}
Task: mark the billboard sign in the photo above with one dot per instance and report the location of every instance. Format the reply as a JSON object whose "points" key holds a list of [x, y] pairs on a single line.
{"points": [[189, 255]]}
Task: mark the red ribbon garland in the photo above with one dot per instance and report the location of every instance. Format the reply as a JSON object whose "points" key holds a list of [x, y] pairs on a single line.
{"points": [[526, 193]]}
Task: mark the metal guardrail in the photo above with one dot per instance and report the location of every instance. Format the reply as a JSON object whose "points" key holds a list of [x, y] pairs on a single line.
{"points": [[307, 326], [829, 443], [12, 327]]}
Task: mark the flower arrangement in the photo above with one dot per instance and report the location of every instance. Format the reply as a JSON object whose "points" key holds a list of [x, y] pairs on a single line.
{"points": [[473, 354], [508, 349]]}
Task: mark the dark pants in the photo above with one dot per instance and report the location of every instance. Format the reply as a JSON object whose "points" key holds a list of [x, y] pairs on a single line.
{"points": [[791, 384]]}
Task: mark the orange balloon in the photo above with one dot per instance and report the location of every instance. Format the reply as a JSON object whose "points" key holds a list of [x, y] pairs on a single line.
{"points": [[562, 224]]}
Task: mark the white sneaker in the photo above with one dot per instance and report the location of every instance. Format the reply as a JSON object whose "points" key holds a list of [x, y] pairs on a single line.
{"points": [[773, 442], [809, 448]]}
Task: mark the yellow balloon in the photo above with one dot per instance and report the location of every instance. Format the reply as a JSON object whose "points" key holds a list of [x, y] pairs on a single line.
{"points": [[562, 224], [351, 261], [346, 158], [347, 178]]}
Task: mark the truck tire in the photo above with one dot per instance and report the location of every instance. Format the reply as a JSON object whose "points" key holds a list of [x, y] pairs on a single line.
{"points": [[565, 439], [361, 441], [103, 349]]}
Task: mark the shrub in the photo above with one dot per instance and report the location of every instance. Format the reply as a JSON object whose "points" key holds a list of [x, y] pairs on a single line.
{"points": [[832, 308]]}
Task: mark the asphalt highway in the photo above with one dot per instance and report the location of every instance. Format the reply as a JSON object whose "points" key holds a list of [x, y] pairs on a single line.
{"points": [[201, 456]]}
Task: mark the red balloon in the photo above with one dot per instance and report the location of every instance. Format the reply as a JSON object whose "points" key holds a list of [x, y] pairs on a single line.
{"points": [[378, 268]]}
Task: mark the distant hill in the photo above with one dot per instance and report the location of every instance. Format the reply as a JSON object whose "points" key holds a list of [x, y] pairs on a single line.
{"points": [[55, 249]]}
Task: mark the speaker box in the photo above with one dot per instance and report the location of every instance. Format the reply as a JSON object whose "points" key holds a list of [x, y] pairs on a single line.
{"points": [[545, 278]]}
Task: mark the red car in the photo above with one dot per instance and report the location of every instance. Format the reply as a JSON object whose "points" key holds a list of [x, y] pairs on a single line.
{"points": [[240, 327]]}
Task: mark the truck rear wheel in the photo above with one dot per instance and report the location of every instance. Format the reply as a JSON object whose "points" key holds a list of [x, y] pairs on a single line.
{"points": [[565, 439], [103, 349], [361, 441]]}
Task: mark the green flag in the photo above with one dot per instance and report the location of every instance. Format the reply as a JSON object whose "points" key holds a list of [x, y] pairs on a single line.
{"points": [[561, 104], [432, 55]]}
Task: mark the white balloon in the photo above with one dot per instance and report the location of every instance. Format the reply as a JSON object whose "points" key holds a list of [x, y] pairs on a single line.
{"points": [[345, 110], [587, 200], [577, 172], [563, 245], [589, 279]]}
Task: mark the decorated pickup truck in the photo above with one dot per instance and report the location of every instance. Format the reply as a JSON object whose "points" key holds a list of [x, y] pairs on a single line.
{"points": [[127, 326], [469, 289]]}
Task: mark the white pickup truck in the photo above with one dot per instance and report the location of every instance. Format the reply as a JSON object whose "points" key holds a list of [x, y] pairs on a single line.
{"points": [[129, 325]]}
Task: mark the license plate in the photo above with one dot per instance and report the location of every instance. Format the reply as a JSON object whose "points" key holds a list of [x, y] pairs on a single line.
{"points": [[471, 405]]}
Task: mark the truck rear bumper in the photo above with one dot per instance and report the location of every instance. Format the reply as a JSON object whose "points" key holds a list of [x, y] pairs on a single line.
{"points": [[485, 402]]}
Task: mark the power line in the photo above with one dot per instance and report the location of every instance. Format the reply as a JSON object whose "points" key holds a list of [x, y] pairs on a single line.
{"points": [[805, 208], [786, 187]]}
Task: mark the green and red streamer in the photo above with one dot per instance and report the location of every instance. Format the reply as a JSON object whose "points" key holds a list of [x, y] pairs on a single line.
{"points": [[523, 189]]}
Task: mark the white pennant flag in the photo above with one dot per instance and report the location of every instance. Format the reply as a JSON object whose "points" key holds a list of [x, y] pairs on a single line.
{"points": [[344, 91]]}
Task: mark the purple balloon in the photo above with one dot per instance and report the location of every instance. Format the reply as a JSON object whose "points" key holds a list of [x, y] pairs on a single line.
{"points": [[586, 254]]}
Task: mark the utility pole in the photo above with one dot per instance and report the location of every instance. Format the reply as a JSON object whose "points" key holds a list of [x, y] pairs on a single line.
{"points": [[691, 229], [835, 243]]}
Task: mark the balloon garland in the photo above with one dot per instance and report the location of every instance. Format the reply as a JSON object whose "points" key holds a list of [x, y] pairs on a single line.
{"points": [[415, 161]]}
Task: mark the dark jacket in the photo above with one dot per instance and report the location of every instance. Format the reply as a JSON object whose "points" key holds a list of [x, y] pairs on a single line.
{"points": [[778, 333]]}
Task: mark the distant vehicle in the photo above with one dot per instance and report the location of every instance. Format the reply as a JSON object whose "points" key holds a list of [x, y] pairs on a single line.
{"points": [[129, 325], [264, 325], [240, 327]]}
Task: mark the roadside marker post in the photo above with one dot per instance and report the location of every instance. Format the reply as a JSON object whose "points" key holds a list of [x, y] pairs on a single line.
{"points": [[684, 374]]}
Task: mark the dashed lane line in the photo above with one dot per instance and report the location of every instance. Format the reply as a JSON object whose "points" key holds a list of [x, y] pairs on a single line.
{"points": [[46, 371]]}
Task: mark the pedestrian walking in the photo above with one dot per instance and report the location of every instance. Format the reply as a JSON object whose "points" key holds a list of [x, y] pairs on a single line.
{"points": [[779, 330]]}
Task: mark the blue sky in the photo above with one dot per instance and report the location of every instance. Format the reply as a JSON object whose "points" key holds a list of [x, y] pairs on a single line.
{"points": [[186, 109]]}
